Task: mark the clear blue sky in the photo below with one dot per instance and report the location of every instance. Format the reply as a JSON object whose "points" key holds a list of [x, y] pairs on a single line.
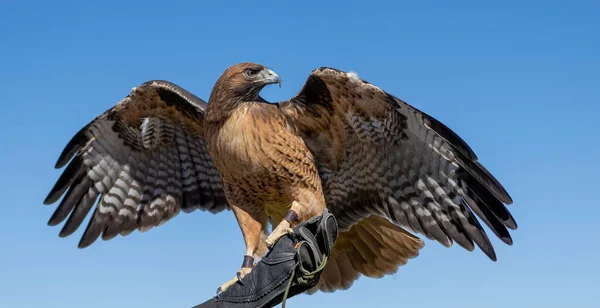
{"points": [[518, 80]]}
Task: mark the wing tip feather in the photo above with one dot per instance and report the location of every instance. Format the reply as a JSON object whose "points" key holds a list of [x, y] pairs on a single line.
{"points": [[66, 179], [496, 188], [512, 224], [75, 144]]}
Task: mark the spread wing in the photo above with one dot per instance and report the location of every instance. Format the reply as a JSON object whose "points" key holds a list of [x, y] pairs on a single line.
{"points": [[378, 155], [145, 158]]}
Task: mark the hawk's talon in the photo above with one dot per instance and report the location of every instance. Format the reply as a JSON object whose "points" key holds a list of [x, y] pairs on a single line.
{"points": [[238, 278]]}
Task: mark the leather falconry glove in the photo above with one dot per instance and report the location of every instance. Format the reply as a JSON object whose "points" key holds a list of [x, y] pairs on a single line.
{"points": [[291, 267]]}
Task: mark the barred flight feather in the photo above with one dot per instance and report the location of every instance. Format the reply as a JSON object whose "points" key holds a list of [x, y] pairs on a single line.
{"points": [[142, 160], [397, 162]]}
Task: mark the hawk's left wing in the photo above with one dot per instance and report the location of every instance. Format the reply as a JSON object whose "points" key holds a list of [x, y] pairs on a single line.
{"points": [[377, 155]]}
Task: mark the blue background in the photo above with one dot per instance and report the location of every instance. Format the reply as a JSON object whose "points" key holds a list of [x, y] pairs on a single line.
{"points": [[518, 80]]}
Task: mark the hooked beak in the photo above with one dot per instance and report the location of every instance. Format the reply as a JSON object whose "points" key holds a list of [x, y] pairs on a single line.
{"points": [[269, 77]]}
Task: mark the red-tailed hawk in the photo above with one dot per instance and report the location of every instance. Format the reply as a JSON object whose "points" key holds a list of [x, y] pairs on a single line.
{"points": [[381, 166]]}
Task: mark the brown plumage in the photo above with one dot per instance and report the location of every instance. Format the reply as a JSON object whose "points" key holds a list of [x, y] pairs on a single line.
{"points": [[378, 164]]}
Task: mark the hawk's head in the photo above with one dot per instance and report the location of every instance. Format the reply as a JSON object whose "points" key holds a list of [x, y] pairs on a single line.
{"points": [[241, 83]]}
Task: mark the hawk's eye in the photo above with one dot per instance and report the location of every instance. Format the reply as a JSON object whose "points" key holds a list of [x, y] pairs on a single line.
{"points": [[251, 72]]}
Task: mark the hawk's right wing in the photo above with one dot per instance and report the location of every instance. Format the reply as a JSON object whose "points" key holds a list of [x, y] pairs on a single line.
{"points": [[145, 158]]}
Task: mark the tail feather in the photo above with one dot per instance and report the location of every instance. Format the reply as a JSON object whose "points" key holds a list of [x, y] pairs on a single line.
{"points": [[374, 247]]}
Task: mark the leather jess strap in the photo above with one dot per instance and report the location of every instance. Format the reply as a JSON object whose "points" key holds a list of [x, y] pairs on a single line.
{"points": [[248, 262]]}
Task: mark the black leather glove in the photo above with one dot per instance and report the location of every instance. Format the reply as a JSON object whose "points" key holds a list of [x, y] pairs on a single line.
{"points": [[293, 266]]}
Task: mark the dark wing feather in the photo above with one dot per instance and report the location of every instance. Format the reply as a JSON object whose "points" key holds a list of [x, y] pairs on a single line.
{"points": [[379, 155], [144, 160]]}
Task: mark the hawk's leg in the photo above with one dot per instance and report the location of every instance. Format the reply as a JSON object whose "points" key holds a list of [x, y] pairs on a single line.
{"points": [[307, 204], [283, 228], [252, 224]]}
